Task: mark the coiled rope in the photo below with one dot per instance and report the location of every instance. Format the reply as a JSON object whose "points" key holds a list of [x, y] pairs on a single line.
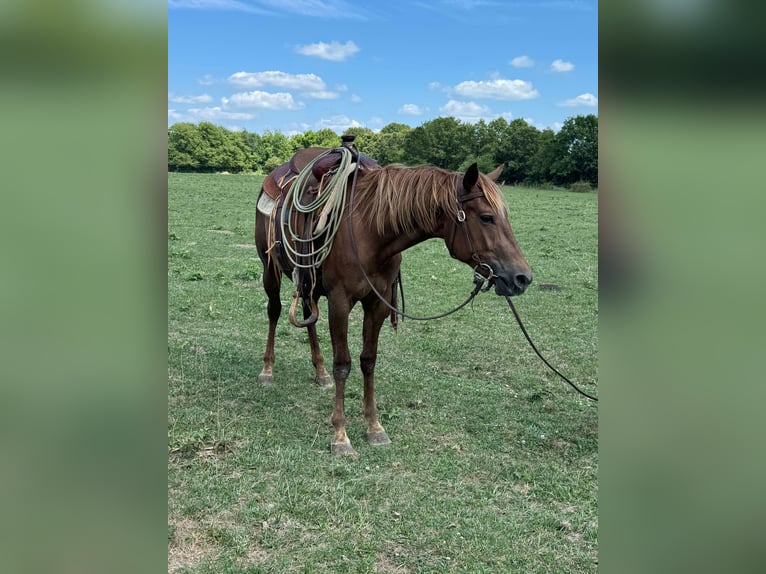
{"points": [[308, 252]]}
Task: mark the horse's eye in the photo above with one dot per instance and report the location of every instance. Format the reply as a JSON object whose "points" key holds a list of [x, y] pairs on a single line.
{"points": [[487, 218]]}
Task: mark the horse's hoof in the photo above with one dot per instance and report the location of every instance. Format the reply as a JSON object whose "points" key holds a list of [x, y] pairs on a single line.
{"points": [[266, 380], [378, 438], [343, 449], [324, 381]]}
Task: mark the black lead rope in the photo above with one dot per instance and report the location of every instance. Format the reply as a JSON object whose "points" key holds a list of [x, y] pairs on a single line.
{"points": [[551, 367]]}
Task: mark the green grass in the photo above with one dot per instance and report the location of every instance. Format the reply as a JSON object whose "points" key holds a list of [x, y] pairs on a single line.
{"points": [[493, 464]]}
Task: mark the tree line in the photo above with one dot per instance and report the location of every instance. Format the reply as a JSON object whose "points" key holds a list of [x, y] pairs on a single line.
{"points": [[530, 156]]}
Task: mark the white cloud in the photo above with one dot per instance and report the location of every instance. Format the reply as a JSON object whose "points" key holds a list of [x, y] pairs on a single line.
{"points": [[229, 5], [307, 82], [338, 124], [322, 95], [201, 99], [174, 116], [216, 113], [206, 80], [498, 89], [465, 111], [334, 51], [522, 62], [325, 9], [263, 100], [434, 86], [561, 66], [355, 99], [586, 99], [410, 110]]}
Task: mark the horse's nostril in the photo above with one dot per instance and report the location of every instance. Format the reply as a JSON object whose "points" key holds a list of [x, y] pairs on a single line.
{"points": [[523, 280]]}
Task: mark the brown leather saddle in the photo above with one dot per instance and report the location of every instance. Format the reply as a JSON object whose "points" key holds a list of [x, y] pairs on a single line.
{"points": [[279, 179]]}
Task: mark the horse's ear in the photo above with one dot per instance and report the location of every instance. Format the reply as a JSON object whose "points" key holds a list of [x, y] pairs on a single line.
{"points": [[471, 177], [495, 173]]}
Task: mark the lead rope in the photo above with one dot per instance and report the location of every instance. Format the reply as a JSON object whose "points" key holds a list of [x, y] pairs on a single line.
{"points": [[551, 367]]}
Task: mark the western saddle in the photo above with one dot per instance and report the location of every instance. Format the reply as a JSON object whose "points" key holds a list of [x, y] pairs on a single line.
{"points": [[276, 185], [279, 179]]}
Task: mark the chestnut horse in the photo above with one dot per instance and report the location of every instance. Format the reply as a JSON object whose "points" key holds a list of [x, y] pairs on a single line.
{"points": [[394, 208]]}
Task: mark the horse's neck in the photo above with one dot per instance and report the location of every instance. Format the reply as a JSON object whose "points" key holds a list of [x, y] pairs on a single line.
{"points": [[392, 243]]}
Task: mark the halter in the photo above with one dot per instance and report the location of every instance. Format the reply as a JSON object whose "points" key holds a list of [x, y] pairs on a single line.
{"points": [[459, 222]]}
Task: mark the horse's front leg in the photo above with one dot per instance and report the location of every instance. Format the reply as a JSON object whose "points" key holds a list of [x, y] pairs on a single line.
{"points": [[375, 314], [338, 319]]}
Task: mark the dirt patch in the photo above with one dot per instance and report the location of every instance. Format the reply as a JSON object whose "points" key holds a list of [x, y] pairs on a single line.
{"points": [[385, 561], [245, 245], [188, 546]]}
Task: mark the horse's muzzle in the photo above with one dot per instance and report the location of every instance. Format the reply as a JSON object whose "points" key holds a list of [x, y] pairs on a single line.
{"points": [[515, 284]]}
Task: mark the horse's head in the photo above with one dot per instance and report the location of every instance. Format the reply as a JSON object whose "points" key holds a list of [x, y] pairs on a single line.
{"points": [[482, 236]]}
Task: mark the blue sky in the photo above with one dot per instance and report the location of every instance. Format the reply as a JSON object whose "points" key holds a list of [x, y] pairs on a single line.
{"points": [[292, 66]]}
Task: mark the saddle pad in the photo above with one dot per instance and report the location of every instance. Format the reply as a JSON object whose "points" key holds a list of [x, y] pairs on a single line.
{"points": [[265, 204]]}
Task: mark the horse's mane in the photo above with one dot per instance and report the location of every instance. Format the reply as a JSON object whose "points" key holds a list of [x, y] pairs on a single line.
{"points": [[408, 197]]}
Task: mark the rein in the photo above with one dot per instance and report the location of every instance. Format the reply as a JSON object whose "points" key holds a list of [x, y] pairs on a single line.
{"points": [[478, 278]]}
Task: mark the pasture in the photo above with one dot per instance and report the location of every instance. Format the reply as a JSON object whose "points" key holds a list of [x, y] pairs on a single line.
{"points": [[493, 462]]}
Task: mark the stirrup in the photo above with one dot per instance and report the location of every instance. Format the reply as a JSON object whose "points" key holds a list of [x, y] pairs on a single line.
{"points": [[312, 318]]}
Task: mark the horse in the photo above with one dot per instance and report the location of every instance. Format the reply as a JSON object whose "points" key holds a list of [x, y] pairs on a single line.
{"points": [[394, 208]]}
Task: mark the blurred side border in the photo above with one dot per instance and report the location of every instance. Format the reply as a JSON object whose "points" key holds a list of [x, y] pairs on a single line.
{"points": [[681, 149], [83, 91]]}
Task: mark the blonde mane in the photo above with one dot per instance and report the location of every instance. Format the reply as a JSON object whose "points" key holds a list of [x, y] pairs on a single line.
{"points": [[405, 198]]}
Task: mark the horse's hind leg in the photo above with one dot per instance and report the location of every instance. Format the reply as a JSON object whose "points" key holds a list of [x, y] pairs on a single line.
{"points": [[375, 314], [271, 284], [322, 378]]}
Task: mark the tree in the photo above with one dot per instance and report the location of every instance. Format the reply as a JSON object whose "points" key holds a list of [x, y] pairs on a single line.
{"points": [[577, 151], [443, 142], [389, 145], [365, 138], [184, 142], [542, 160], [518, 145], [322, 138], [485, 139], [221, 149], [275, 148]]}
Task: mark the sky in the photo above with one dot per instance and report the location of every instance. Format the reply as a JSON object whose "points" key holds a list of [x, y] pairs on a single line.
{"points": [[293, 66]]}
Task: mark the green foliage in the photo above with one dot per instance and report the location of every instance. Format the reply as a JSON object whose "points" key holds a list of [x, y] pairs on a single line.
{"points": [[388, 147], [516, 149], [322, 138], [529, 155], [543, 158], [494, 461], [576, 151], [364, 138], [443, 142]]}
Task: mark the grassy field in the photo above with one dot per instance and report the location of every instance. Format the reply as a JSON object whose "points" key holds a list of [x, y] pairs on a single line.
{"points": [[493, 461]]}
